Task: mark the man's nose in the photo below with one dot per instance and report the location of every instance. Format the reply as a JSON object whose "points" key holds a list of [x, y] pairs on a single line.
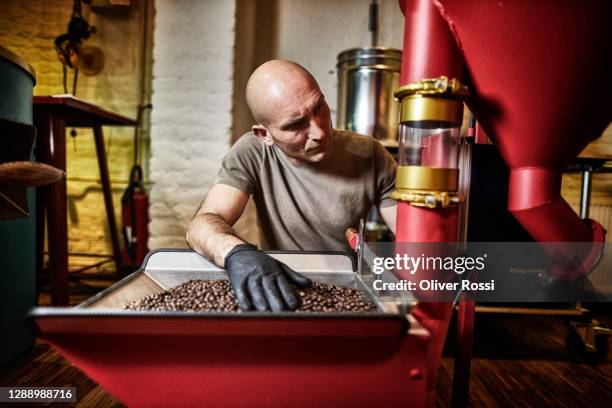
{"points": [[316, 132]]}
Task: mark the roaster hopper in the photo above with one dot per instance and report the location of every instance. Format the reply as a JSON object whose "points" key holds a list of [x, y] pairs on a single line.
{"points": [[241, 359]]}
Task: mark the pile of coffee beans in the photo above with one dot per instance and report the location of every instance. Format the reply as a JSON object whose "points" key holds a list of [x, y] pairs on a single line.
{"points": [[192, 296], [321, 297], [217, 296]]}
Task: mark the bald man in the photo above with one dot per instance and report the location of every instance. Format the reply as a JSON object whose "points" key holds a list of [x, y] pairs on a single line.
{"points": [[309, 182]]}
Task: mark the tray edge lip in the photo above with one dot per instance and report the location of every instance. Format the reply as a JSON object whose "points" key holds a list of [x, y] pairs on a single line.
{"points": [[347, 254], [81, 310], [71, 312]]}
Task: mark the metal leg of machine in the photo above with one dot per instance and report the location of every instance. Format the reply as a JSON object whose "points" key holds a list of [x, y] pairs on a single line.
{"points": [[587, 339]]}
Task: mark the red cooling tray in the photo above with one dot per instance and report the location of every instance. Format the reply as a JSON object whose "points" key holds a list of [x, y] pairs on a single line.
{"points": [[170, 359]]}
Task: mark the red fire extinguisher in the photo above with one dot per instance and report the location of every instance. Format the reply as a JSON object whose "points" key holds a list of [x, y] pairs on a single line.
{"points": [[135, 216]]}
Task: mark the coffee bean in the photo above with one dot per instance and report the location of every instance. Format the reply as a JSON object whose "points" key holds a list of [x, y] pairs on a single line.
{"points": [[217, 296]]}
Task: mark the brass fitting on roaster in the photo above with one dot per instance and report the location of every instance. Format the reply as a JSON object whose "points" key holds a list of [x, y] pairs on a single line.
{"points": [[429, 103]]}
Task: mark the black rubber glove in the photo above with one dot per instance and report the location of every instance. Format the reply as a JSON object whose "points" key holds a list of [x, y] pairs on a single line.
{"points": [[261, 281]]}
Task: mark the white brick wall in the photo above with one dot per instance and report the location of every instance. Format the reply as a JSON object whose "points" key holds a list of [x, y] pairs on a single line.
{"points": [[314, 32], [191, 118]]}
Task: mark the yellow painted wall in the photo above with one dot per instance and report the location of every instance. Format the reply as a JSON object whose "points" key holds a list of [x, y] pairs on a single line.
{"points": [[28, 27]]}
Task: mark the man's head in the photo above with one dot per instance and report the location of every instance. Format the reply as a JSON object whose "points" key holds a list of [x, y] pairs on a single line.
{"points": [[290, 110]]}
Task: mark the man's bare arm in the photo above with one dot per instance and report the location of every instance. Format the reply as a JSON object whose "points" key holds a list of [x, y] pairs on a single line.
{"points": [[210, 231]]}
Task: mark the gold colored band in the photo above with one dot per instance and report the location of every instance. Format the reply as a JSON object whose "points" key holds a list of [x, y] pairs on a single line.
{"points": [[428, 199], [416, 107], [426, 178], [441, 86]]}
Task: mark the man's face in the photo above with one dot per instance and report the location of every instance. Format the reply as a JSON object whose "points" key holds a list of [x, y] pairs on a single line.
{"points": [[302, 128]]}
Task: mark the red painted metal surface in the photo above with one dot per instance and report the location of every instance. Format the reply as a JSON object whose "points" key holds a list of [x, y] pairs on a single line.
{"points": [[429, 47], [435, 317], [246, 362], [416, 224], [136, 205], [429, 51], [538, 74], [141, 200], [352, 237]]}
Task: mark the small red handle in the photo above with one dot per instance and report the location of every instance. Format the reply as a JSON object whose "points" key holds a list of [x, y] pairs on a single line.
{"points": [[352, 236]]}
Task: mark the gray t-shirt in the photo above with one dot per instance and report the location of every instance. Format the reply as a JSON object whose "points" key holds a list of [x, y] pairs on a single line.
{"points": [[309, 206]]}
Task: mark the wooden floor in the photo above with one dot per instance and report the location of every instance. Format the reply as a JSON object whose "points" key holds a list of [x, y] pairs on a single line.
{"points": [[519, 361], [45, 367]]}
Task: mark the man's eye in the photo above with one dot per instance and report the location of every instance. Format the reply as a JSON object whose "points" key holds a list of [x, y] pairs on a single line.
{"points": [[296, 125]]}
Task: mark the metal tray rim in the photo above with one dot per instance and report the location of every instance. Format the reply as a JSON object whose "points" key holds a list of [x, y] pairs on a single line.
{"points": [[83, 310], [109, 312], [349, 255]]}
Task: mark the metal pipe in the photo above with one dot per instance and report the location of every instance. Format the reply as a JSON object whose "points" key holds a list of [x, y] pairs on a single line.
{"points": [[535, 201], [424, 26], [373, 23], [429, 52], [429, 47], [585, 194]]}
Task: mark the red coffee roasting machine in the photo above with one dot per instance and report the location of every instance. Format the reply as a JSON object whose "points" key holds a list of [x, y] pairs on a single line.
{"points": [[535, 76]]}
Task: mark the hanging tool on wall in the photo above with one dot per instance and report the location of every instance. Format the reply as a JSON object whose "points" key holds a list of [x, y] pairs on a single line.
{"points": [[135, 207], [71, 51], [76, 56]]}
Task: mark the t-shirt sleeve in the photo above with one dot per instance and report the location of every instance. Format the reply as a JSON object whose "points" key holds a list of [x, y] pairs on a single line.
{"points": [[386, 167], [240, 166]]}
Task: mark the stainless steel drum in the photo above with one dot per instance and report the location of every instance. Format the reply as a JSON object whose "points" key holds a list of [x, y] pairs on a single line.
{"points": [[367, 78]]}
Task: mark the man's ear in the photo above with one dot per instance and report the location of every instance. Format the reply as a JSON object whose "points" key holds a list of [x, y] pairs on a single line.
{"points": [[263, 133]]}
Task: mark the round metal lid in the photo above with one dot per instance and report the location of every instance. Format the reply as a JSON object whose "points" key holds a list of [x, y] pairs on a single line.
{"points": [[370, 53], [17, 60]]}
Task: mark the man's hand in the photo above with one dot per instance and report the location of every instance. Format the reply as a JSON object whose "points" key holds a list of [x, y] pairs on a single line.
{"points": [[261, 281]]}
